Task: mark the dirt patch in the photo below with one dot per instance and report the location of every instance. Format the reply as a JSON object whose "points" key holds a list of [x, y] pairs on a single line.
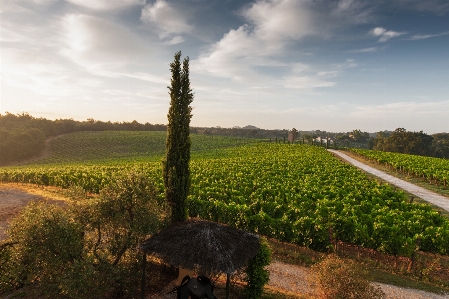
{"points": [[13, 199]]}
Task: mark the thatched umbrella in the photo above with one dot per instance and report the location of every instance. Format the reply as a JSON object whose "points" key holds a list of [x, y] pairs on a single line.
{"points": [[208, 245]]}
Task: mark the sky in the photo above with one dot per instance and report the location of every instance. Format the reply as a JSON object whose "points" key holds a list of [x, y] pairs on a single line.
{"points": [[330, 65]]}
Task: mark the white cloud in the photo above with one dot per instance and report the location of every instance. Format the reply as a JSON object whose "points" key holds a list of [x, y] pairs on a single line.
{"points": [[99, 46], [166, 18], [148, 77], [385, 34], [306, 82], [43, 2], [353, 12], [232, 56], [35, 71], [279, 20], [298, 68], [174, 41], [10, 35], [265, 43], [104, 4], [426, 36], [366, 50]]}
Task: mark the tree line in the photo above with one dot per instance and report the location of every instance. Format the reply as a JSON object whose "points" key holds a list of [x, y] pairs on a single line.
{"points": [[23, 136], [413, 143]]}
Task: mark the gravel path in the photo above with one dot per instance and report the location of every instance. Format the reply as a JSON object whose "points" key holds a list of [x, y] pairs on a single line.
{"points": [[289, 278], [394, 292], [293, 279], [429, 196]]}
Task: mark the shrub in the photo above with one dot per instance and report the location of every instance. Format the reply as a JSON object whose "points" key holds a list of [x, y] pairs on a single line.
{"points": [[46, 241], [85, 249], [257, 275], [341, 279]]}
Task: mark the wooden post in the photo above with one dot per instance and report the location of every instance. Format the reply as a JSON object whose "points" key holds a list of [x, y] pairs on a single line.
{"points": [[228, 282], [143, 283]]}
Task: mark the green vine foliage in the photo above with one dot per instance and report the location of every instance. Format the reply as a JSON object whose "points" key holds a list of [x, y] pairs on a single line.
{"points": [[257, 275]]}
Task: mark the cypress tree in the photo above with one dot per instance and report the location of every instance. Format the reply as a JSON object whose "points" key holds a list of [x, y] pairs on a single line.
{"points": [[176, 171]]}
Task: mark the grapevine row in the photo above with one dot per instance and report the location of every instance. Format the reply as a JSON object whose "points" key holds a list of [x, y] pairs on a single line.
{"points": [[294, 193], [433, 169]]}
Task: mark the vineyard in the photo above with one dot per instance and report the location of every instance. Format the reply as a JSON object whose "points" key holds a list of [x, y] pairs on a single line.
{"points": [[295, 193], [435, 170], [103, 146]]}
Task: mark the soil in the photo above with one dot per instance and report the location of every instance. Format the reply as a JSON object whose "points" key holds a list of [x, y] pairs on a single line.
{"points": [[13, 198]]}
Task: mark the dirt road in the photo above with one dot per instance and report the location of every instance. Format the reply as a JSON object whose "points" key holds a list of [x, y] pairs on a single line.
{"points": [[12, 200]]}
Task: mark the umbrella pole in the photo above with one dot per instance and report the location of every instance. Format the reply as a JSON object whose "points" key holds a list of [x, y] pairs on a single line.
{"points": [[228, 282]]}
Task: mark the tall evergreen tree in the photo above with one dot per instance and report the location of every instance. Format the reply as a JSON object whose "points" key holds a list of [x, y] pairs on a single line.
{"points": [[176, 171]]}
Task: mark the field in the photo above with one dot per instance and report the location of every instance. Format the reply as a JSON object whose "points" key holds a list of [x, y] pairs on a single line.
{"points": [[295, 193], [104, 146]]}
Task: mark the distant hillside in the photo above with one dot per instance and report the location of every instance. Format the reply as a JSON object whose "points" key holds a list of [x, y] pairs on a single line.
{"points": [[92, 147], [23, 136]]}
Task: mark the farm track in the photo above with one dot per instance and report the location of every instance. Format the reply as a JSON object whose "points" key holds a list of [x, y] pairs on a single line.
{"points": [[13, 199], [429, 196]]}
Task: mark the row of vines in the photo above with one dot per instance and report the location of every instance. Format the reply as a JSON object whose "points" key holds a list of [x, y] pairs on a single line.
{"points": [[435, 170], [294, 193], [82, 147]]}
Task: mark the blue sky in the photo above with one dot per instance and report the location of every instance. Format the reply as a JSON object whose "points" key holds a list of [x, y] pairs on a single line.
{"points": [[332, 65]]}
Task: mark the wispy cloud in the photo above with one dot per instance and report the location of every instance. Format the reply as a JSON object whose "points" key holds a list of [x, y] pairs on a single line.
{"points": [[303, 82], [426, 36], [148, 77], [99, 46], [278, 20], [385, 34], [174, 41], [406, 108], [273, 26], [104, 4], [43, 75], [366, 50], [166, 18], [438, 7]]}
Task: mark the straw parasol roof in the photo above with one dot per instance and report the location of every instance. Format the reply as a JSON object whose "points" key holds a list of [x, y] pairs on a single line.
{"points": [[199, 243]]}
